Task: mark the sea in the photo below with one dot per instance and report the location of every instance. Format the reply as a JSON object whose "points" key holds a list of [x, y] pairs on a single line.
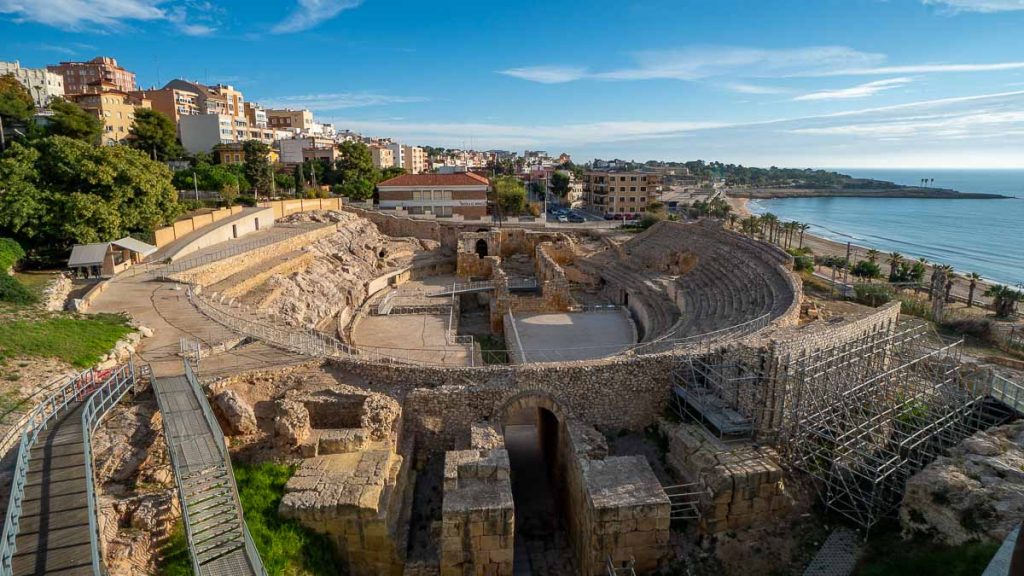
{"points": [[983, 236]]}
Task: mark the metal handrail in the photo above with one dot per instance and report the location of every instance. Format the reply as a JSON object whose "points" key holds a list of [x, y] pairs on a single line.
{"points": [[1008, 392], [74, 390], [251, 553], [96, 408]]}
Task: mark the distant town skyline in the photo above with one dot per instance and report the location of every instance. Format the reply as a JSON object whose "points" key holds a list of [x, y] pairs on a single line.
{"points": [[848, 83]]}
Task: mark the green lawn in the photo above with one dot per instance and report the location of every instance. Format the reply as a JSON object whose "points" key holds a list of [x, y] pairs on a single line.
{"points": [[78, 341], [286, 547]]}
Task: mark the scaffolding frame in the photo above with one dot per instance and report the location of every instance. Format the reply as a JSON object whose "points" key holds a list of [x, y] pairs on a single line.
{"points": [[863, 416], [720, 391]]}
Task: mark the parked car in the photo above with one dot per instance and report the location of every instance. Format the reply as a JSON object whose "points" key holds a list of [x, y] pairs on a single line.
{"points": [[576, 218], [563, 219]]}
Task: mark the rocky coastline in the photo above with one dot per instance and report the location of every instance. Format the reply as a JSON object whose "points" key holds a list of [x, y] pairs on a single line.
{"points": [[898, 192]]}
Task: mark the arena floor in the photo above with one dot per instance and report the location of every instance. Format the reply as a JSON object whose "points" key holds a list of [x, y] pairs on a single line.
{"points": [[561, 337]]}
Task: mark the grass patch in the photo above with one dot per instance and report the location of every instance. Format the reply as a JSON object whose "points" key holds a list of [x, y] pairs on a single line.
{"points": [[492, 349], [285, 546], [889, 555], [15, 292], [78, 341]]}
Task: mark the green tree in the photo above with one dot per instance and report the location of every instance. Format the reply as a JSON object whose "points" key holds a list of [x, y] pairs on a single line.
{"points": [[71, 120], [1004, 299], [63, 191], [154, 133], [509, 195], [357, 189], [211, 177], [391, 172], [257, 166], [15, 101], [866, 269], [228, 194], [284, 182], [355, 165]]}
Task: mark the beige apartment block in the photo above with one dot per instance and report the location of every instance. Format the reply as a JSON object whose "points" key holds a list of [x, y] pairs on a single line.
{"points": [[116, 109], [383, 157], [620, 193], [288, 119]]}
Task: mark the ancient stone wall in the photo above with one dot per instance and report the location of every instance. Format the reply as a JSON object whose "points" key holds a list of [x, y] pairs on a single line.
{"points": [[214, 272], [447, 235], [744, 481], [554, 285], [478, 517], [616, 508]]}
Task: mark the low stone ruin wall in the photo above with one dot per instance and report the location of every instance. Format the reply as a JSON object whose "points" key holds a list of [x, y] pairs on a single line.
{"points": [[478, 516], [617, 509], [744, 482]]}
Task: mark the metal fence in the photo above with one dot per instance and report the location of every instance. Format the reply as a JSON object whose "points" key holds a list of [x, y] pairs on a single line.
{"points": [[1007, 392], [101, 390], [116, 385]]}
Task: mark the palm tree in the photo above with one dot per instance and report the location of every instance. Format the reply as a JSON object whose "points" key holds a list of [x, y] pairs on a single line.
{"points": [[770, 220], [948, 288], [1004, 299], [973, 278], [732, 220], [874, 255], [894, 260], [803, 228]]}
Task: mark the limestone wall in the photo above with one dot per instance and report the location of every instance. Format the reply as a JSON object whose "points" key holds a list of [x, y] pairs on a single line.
{"points": [[744, 481], [478, 517], [616, 507], [214, 272]]}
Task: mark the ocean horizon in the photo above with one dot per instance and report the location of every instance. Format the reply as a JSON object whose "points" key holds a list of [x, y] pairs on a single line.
{"points": [[972, 235]]}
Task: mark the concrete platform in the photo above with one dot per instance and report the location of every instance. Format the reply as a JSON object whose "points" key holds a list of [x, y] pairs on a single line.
{"points": [[413, 337], [562, 337]]}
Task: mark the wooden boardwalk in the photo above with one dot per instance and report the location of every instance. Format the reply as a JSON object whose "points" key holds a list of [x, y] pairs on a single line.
{"points": [[53, 533], [205, 482]]}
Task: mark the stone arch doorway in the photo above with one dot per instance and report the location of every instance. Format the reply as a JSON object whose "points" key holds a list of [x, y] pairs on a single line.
{"points": [[481, 248], [534, 425]]}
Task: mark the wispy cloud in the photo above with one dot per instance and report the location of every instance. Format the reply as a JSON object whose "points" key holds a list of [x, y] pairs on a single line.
{"points": [[927, 122], [340, 101], [732, 66], [310, 13], [547, 74], [106, 15], [979, 5], [860, 91]]}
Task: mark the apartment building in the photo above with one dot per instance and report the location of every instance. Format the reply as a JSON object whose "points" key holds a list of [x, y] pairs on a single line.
{"points": [[297, 150], [42, 84], [234, 153], [79, 75], [172, 102], [611, 192], [114, 108], [383, 157], [288, 119], [442, 195], [414, 160], [202, 132]]}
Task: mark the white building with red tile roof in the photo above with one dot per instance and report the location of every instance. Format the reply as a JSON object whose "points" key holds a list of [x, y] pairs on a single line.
{"points": [[441, 195]]}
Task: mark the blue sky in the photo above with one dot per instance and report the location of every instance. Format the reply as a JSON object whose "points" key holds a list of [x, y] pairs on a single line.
{"points": [[852, 83]]}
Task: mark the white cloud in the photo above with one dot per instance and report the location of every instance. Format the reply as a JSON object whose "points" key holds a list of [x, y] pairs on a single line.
{"points": [[310, 13], [732, 62], [103, 15], [860, 91], [744, 88], [979, 5], [546, 74], [340, 101]]}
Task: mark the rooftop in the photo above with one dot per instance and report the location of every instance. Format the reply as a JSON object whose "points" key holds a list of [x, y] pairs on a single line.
{"points": [[457, 179]]}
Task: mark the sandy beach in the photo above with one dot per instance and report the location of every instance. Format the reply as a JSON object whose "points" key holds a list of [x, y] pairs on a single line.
{"points": [[825, 247]]}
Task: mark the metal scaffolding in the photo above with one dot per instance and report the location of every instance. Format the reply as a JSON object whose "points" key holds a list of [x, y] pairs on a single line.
{"points": [[861, 417]]}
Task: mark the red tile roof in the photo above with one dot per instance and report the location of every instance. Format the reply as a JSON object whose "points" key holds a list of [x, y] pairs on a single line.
{"points": [[458, 179]]}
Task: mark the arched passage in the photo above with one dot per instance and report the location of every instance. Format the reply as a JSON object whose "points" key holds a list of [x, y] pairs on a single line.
{"points": [[481, 248], [533, 425]]}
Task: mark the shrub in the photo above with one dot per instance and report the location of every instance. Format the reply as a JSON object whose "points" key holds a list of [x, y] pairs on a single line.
{"points": [[13, 291], [980, 328], [872, 294], [867, 269], [803, 261], [10, 253]]}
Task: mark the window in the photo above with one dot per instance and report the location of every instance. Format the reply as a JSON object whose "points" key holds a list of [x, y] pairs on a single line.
{"points": [[415, 209], [643, 188], [632, 199], [632, 188], [632, 178]]}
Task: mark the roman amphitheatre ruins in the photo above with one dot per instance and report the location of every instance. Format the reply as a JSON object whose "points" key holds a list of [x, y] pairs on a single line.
{"points": [[462, 399]]}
